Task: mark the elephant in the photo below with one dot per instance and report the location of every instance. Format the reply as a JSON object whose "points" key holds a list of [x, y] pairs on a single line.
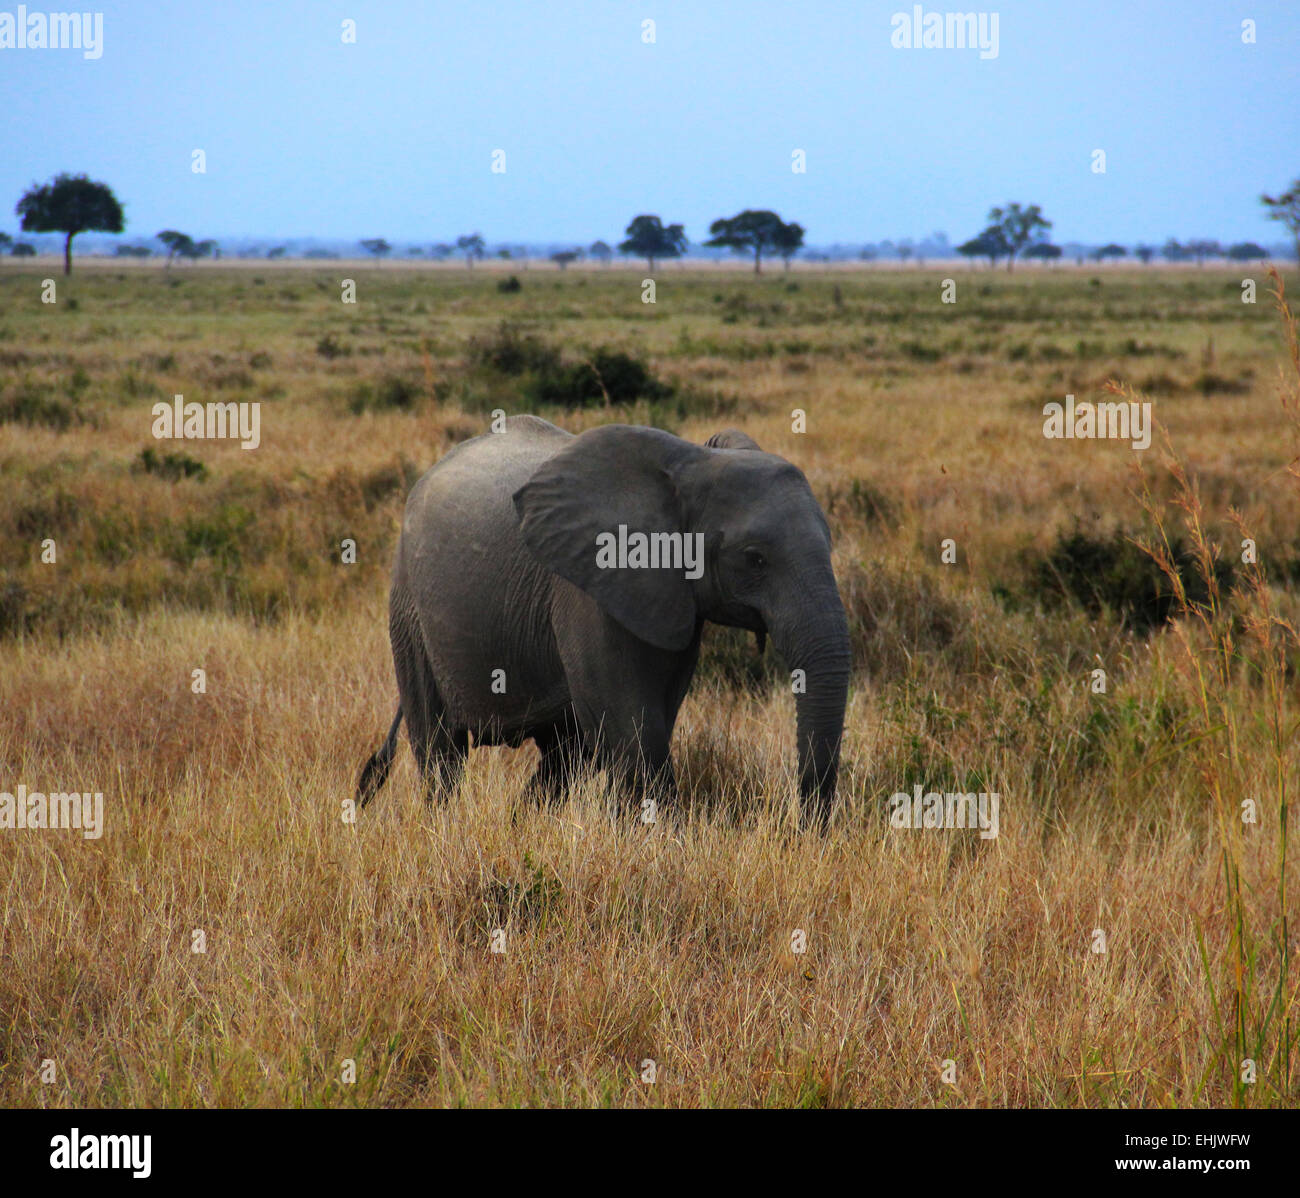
{"points": [[517, 609]]}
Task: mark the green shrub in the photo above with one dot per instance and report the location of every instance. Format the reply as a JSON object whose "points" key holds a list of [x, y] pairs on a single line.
{"points": [[606, 377], [920, 351], [509, 350], [218, 535], [390, 392], [34, 404], [171, 466], [135, 385], [330, 347], [1209, 383], [1112, 574]]}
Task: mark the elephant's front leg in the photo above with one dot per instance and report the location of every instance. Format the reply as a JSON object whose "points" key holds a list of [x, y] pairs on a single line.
{"points": [[563, 752], [635, 750], [625, 695]]}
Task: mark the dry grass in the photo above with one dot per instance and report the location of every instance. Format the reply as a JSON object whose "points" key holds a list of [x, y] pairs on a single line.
{"points": [[329, 941]]}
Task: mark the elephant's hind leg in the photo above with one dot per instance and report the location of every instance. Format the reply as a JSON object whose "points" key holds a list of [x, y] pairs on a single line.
{"points": [[440, 750]]}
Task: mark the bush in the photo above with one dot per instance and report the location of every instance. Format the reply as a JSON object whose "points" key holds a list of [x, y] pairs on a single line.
{"points": [[219, 535], [603, 377], [510, 285], [391, 392], [920, 351], [33, 404], [171, 466], [387, 482], [330, 347], [1112, 574], [606, 377], [509, 350], [1209, 383]]}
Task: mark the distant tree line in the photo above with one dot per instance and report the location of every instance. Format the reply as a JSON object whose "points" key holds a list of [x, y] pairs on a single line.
{"points": [[74, 204]]}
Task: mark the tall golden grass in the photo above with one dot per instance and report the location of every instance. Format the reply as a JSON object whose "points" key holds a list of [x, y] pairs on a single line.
{"points": [[940, 969]]}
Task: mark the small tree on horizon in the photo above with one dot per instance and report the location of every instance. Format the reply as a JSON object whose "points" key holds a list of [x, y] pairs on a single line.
{"points": [[754, 231], [1019, 227], [1246, 251], [70, 204], [182, 245], [601, 251], [789, 241], [649, 238], [1044, 250], [991, 244], [1286, 208], [176, 243], [472, 246], [376, 246], [1202, 248]]}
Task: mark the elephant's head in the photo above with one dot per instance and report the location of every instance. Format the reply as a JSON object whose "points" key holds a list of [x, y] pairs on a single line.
{"points": [[766, 560]]}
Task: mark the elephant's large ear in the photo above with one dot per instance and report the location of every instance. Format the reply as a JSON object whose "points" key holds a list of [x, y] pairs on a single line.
{"points": [[731, 438], [610, 476]]}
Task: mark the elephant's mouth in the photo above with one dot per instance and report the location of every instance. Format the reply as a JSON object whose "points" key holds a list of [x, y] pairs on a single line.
{"points": [[760, 641]]}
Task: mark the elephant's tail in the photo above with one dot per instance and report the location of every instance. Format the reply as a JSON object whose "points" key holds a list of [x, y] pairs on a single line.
{"points": [[375, 772]]}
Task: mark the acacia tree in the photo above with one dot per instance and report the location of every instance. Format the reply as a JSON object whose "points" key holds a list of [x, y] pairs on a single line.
{"points": [[1246, 251], [991, 244], [70, 204], [754, 231], [601, 252], [376, 246], [789, 241], [1286, 208], [176, 243], [1044, 251], [182, 245], [472, 246], [1019, 227], [649, 238]]}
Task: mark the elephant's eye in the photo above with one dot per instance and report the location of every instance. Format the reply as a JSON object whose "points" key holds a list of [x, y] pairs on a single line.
{"points": [[755, 560]]}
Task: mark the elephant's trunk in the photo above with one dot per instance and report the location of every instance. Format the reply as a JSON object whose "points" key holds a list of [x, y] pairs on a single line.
{"points": [[815, 643]]}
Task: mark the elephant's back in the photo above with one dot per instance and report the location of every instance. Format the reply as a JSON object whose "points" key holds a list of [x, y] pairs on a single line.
{"points": [[483, 473], [484, 602]]}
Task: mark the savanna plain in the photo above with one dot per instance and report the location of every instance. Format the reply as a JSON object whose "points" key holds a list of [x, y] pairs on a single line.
{"points": [[1110, 649]]}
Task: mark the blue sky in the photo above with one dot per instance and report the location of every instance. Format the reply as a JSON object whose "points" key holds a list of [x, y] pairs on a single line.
{"points": [[393, 136]]}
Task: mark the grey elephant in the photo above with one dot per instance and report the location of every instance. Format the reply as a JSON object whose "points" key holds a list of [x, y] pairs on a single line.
{"points": [[555, 586]]}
